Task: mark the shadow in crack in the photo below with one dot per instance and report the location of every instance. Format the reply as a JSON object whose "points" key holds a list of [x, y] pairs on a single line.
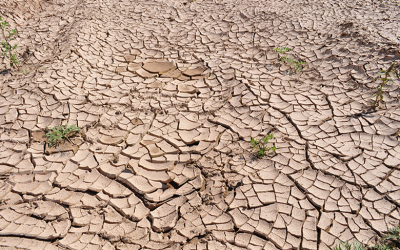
{"points": [[5, 71]]}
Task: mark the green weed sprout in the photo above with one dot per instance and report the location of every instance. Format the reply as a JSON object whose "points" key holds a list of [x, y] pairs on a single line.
{"points": [[346, 246], [343, 246], [382, 246], [282, 50], [7, 47], [385, 80], [57, 134], [392, 234], [389, 241], [298, 65], [261, 145]]}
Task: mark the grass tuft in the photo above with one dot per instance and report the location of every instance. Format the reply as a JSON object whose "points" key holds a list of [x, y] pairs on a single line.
{"points": [[7, 49], [261, 145], [56, 135], [384, 78], [389, 241], [297, 65]]}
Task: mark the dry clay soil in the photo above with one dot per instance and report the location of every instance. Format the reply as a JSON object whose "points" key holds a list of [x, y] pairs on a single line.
{"points": [[169, 94]]}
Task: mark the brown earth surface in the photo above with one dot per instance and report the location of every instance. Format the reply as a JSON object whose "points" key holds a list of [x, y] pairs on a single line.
{"points": [[168, 94]]}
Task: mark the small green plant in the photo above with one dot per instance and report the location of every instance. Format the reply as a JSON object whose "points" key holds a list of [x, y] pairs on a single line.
{"points": [[382, 246], [57, 134], [261, 145], [392, 234], [389, 241], [385, 80], [343, 246], [346, 246], [6, 46], [282, 50], [358, 246], [297, 65]]}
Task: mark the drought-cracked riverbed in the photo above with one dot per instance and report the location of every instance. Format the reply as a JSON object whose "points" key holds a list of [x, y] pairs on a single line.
{"points": [[169, 94]]}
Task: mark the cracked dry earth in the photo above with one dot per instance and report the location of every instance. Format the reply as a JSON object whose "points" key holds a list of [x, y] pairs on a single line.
{"points": [[168, 95]]}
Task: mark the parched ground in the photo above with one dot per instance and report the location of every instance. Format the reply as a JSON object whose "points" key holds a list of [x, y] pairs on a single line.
{"points": [[169, 94]]}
